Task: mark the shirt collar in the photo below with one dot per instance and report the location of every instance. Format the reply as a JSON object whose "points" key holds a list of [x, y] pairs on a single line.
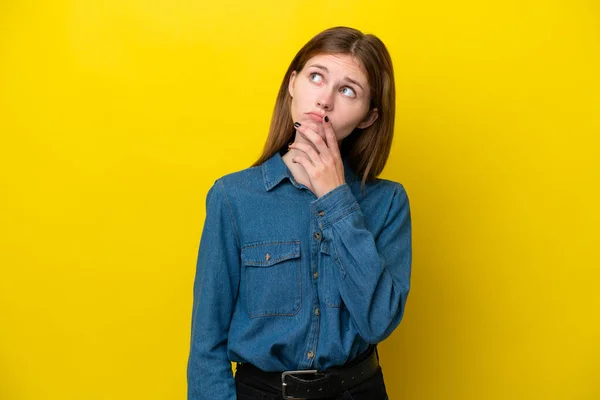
{"points": [[274, 170]]}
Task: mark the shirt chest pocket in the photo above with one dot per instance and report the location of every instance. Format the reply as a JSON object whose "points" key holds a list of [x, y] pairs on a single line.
{"points": [[273, 284]]}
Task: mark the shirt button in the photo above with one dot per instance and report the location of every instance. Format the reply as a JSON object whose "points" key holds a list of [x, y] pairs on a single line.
{"points": [[310, 354], [321, 213], [268, 257], [316, 275], [317, 235], [317, 312]]}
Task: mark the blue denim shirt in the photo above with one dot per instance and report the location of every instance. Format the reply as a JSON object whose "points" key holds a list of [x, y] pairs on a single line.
{"points": [[289, 281]]}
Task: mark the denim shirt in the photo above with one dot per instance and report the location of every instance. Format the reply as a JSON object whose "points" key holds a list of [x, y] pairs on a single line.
{"points": [[289, 281]]}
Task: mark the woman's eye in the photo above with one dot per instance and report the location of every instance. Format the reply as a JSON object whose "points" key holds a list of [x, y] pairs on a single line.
{"points": [[316, 77], [348, 91]]}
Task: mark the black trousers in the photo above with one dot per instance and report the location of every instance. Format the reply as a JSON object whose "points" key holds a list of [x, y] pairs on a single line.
{"points": [[250, 387]]}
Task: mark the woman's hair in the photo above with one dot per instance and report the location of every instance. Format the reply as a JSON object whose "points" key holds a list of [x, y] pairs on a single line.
{"points": [[367, 149]]}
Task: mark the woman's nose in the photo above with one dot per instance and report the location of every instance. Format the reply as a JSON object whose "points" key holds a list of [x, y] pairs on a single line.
{"points": [[325, 102], [324, 105]]}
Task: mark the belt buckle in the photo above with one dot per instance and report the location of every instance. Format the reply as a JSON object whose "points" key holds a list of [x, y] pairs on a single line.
{"points": [[284, 384]]}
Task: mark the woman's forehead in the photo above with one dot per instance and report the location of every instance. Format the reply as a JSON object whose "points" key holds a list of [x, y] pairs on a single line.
{"points": [[344, 64]]}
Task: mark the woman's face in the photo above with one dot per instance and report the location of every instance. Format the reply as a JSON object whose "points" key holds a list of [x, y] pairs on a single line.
{"points": [[333, 85]]}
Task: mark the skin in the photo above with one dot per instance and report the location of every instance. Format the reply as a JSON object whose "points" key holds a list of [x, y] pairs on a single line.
{"points": [[334, 86]]}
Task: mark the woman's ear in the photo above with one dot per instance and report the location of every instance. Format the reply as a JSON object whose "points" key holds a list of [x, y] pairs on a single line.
{"points": [[369, 119], [291, 84]]}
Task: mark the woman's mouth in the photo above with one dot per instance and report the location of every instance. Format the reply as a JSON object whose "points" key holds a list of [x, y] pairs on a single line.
{"points": [[315, 117]]}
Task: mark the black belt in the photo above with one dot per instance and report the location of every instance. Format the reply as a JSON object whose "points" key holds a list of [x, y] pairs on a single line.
{"points": [[313, 384]]}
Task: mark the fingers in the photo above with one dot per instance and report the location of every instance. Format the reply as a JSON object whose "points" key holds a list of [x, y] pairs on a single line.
{"points": [[330, 137], [320, 157], [305, 162], [314, 138], [312, 155]]}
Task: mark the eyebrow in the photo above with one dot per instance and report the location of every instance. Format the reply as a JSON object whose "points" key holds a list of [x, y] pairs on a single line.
{"points": [[324, 68]]}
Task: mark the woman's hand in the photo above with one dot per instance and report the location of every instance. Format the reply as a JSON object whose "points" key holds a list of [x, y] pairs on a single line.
{"points": [[325, 168]]}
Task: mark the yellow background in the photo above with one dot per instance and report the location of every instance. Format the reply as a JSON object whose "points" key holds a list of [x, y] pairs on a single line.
{"points": [[117, 116]]}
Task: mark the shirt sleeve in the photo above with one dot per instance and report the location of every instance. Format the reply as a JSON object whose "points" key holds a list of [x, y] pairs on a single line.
{"points": [[209, 374], [373, 273]]}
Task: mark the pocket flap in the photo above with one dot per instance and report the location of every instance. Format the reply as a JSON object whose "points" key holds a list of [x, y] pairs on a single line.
{"points": [[265, 254]]}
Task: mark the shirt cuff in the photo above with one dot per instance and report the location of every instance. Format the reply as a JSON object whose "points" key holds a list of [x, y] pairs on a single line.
{"points": [[334, 205]]}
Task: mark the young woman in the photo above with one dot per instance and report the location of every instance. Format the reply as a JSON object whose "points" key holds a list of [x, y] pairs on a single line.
{"points": [[305, 258]]}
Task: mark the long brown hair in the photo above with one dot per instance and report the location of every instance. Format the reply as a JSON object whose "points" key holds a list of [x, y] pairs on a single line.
{"points": [[367, 149]]}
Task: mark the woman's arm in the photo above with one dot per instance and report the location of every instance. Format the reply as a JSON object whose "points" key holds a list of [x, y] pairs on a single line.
{"points": [[215, 289], [374, 273]]}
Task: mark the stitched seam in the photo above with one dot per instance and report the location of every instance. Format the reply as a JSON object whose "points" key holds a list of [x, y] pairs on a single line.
{"points": [[264, 176], [237, 234], [263, 243]]}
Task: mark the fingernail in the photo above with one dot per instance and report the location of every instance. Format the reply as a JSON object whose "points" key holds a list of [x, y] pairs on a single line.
{"points": [[297, 124], [326, 118]]}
